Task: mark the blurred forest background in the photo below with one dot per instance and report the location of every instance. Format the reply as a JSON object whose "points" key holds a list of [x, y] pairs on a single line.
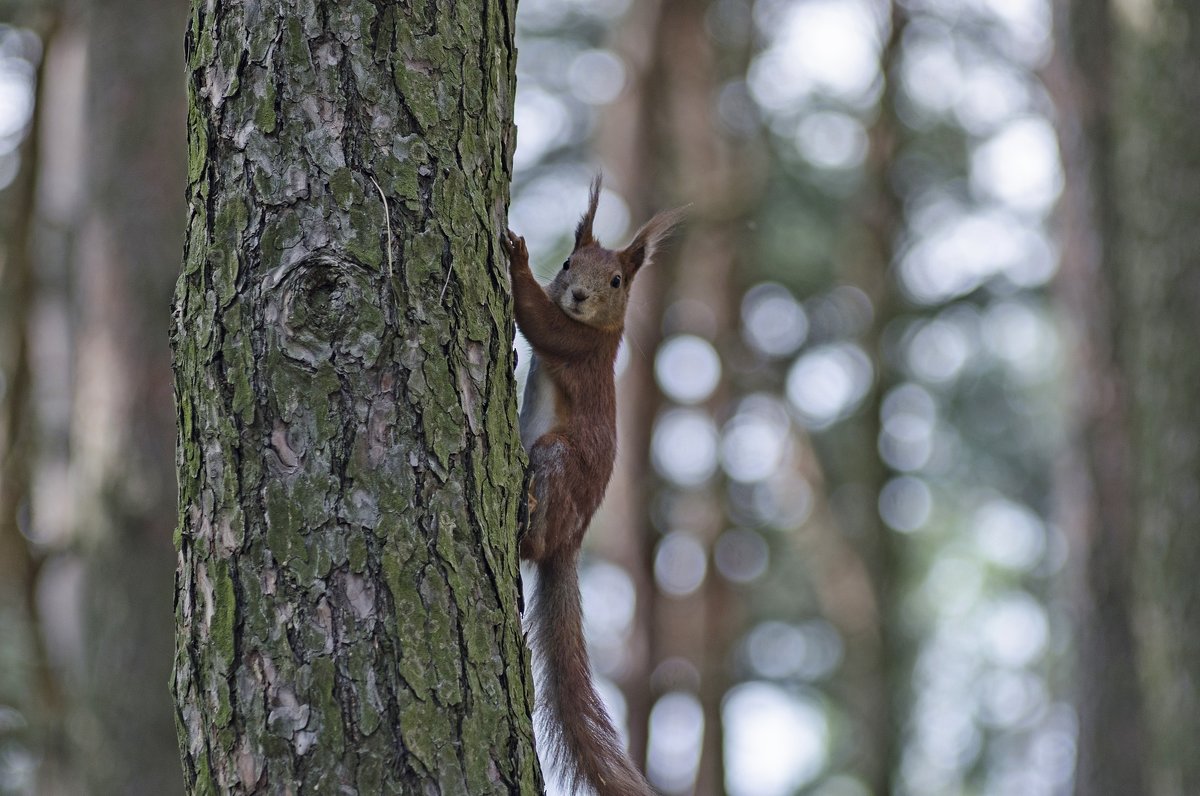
{"points": [[907, 495]]}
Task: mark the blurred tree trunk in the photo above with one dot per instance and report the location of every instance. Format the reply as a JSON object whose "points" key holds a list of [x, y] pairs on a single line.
{"points": [[1157, 282], [628, 147], [123, 418], [664, 144], [349, 469], [876, 673], [1095, 480], [720, 175], [32, 686], [23, 687]]}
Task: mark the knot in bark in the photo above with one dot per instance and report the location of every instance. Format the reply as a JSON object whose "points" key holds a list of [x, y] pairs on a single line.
{"points": [[325, 306]]}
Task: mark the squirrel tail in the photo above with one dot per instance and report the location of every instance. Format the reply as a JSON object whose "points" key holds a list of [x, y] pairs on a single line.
{"points": [[583, 744]]}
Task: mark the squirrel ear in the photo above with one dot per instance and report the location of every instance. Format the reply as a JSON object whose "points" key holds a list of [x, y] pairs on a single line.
{"points": [[649, 238], [583, 232]]}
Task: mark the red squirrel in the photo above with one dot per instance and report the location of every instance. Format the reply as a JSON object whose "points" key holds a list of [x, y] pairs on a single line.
{"points": [[568, 427]]}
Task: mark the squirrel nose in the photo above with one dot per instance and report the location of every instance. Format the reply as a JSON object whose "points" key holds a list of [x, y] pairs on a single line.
{"points": [[579, 295]]}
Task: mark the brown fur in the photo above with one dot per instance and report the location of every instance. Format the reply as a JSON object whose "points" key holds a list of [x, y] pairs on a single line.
{"points": [[568, 424]]}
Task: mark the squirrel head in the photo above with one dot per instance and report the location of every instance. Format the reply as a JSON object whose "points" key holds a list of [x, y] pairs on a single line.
{"points": [[593, 284]]}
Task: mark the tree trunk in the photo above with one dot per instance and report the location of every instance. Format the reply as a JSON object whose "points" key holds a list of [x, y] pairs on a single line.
{"points": [[1157, 109], [627, 144], [1094, 483], [665, 147], [32, 687], [722, 176], [349, 469], [875, 670], [121, 430]]}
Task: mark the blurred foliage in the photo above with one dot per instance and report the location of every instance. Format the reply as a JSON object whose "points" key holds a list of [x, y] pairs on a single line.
{"points": [[972, 362]]}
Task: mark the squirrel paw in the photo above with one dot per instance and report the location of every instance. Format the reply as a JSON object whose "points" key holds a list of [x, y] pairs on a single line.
{"points": [[531, 524], [531, 501], [526, 506], [514, 246]]}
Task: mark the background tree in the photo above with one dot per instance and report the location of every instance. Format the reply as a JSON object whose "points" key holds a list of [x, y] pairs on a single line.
{"points": [[125, 262], [97, 238], [665, 151], [349, 466], [1096, 477], [1157, 282], [31, 684]]}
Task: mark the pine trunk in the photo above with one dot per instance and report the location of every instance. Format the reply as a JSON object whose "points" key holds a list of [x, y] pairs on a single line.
{"points": [[1158, 283], [876, 673], [30, 689], [121, 430], [1094, 480], [347, 598]]}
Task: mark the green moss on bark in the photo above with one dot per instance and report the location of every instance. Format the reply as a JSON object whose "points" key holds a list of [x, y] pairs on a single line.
{"points": [[349, 470]]}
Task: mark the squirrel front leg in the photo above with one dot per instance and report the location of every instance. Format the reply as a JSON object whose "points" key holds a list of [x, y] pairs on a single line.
{"points": [[545, 326], [549, 454]]}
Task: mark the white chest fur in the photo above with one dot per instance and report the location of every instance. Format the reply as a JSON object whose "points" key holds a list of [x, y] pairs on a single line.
{"points": [[539, 411]]}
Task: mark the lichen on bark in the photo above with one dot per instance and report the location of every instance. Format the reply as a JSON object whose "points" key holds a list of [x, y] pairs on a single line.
{"points": [[348, 587]]}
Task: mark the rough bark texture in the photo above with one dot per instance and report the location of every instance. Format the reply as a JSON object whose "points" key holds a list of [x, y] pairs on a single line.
{"points": [[1158, 282], [127, 259], [349, 467], [1095, 477]]}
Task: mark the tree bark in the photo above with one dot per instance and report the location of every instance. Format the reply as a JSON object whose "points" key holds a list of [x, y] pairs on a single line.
{"points": [[347, 597], [1157, 281]]}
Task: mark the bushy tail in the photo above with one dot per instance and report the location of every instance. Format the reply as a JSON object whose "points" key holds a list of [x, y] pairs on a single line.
{"points": [[584, 746]]}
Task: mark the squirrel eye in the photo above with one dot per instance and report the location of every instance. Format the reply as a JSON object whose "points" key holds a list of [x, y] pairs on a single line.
{"points": [[566, 265], [616, 281]]}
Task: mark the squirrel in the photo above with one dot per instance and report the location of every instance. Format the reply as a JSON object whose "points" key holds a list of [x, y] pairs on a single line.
{"points": [[568, 428]]}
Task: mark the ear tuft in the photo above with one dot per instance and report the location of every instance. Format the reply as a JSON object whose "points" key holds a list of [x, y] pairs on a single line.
{"points": [[583, 232], [645, 244]]}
